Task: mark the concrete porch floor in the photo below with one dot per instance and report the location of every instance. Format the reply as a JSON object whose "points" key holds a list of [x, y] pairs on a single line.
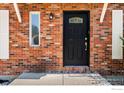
{"points": [[59, 79]]}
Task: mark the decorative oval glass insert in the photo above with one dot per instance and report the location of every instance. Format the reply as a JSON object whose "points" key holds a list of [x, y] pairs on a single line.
{"points": [[75, 20]]}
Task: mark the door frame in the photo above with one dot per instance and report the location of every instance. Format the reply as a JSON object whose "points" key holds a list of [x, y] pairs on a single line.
{"points": [[88, 35]]}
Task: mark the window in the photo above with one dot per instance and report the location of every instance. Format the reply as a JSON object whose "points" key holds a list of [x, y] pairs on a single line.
{"points": [[117, 32], [34, 28], [75, 20], [4, 34]]}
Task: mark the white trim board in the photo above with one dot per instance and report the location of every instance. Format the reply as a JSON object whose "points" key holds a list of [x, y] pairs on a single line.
{"points": [[17, 12], [103, 12]]}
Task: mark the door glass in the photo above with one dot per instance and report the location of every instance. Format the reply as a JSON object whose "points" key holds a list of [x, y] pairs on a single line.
{"points": [[76, 20]]}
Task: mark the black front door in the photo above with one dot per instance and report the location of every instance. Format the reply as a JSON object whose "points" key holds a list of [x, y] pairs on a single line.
{"points": [[76, 38]]}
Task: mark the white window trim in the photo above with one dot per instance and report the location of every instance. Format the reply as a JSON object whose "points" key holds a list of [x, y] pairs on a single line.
{"points": [[30, 28]]}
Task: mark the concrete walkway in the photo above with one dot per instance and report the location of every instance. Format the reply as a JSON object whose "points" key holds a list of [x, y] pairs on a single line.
{"points": [[59, 79]]}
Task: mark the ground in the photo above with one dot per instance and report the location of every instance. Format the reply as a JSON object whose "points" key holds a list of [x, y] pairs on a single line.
{"points": [[59, 79]]}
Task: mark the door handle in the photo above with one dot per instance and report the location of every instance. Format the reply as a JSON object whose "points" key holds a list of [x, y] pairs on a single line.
{"points": [[85, 46]]}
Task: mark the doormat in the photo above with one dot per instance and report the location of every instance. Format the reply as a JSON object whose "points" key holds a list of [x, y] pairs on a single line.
{"points": [[31, 75]]}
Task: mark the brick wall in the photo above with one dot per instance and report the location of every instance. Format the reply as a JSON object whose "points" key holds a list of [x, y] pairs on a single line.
{"points": [[49, 55], [102, 43]]}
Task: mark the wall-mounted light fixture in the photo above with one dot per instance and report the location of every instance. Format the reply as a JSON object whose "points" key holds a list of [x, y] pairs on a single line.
{"points": [[51, 16]]}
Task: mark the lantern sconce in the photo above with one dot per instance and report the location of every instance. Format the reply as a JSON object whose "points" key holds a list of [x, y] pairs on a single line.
{"points": [[51, 16]]}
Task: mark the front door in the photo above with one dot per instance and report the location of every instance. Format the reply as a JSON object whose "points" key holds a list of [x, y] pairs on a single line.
{"points": [[76, 38]]}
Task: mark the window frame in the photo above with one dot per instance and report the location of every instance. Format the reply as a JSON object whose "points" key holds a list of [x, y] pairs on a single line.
{"points": [[30, 28]]}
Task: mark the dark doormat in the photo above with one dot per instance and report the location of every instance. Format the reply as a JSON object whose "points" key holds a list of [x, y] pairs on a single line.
{"points": [[31, 75], [6, 79]]}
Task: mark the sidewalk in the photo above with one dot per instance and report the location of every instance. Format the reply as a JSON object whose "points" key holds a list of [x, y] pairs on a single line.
{"points": [[59, 79]]}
